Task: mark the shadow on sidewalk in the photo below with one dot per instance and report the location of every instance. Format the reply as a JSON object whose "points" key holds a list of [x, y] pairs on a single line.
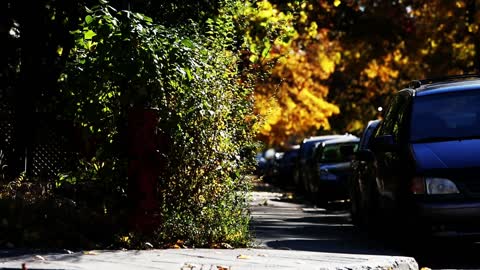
{"points": [[292, 223], [289, 221]]}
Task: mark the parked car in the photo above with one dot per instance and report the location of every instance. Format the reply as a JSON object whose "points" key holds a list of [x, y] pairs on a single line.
{"points": [[331, 169], [261, 164], [427, 151], [275, 167], [304, 160], [363, 176], [266, 164], [286, 165]]}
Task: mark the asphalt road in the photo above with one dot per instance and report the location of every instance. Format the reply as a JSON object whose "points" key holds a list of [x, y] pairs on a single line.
{"points": [[282, 220]]}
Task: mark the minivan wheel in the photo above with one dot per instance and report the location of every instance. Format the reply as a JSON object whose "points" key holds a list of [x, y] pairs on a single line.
{"points": [[320, 200], [355, 206], [296, 177], [370, 217]]}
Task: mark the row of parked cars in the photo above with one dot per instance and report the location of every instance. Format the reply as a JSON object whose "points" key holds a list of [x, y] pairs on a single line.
{"points": [[319, 167], [417, 168]]}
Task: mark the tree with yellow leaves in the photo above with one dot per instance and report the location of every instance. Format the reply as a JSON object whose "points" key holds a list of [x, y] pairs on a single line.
{"points": [[291, 101], [386, 44], [332, 64]]}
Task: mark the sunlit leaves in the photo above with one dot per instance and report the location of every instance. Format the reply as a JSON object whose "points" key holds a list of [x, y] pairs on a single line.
{"points": [[292, 101], [383, 45], [88, 19], [89, 35], [264, 27], [298, 58], [189, 76]]}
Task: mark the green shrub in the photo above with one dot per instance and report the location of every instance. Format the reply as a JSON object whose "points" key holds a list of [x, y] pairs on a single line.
{"points": [[189, 76]]}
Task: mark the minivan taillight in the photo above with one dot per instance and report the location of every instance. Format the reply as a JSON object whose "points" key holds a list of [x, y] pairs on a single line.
{"points": [[418, 185]]}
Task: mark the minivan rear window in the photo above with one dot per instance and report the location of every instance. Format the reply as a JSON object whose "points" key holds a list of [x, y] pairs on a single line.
{"points": [[446, 116]]}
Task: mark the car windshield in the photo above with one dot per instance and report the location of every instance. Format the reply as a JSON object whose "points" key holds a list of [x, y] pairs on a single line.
{"points": [[443, 117]]}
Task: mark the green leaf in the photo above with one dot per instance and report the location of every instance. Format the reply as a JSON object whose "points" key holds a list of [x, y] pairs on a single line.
{"points": [[148, 19], [265, 51], [188, 43], [89, 34], [88, 19], [189, 74]]}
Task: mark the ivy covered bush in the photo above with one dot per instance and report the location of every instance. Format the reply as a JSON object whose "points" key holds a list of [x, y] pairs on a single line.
{"points": [[188, 75]]}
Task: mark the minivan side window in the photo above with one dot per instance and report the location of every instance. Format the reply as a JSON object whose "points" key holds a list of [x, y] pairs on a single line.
{"points": [[388, 123], [400, 117], [394, 117]]}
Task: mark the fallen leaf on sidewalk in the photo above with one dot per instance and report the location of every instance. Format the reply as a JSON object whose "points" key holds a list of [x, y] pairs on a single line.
{"points": [[179, 244], [38, 257], [243, 257], [226, 245], [190, 266], [219, 267], [90, 253]]}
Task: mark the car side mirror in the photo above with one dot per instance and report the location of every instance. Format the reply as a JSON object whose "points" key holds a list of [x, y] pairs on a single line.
{"points": [[384, 143], [364, 155]]}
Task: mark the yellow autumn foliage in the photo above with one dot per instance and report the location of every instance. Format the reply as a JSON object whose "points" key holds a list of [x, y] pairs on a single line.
{"points": [[292, 102], [385, 70]]}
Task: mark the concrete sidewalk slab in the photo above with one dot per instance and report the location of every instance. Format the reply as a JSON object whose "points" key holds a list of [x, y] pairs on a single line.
{"points": [[206, 259]]}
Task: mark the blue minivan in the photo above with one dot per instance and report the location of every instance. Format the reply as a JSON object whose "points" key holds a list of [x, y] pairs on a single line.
{"points": [[426, 153]]}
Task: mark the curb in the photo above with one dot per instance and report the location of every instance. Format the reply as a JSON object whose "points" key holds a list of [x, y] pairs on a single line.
{"points": [[208, 259]]}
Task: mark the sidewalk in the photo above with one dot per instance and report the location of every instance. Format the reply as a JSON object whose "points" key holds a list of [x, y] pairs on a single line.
{"points": [[261, 257], [206, 259]]}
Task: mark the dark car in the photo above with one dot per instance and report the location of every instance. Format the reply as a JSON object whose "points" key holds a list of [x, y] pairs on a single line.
{"points": [[427, 153], [363, 176], [304, 159], [261, 164], [332, 169], [266, 164], [286, 165], [275, 168]]}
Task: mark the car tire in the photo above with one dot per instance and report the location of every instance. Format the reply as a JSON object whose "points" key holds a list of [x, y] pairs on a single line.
{"points": [[297, 180], [296, 177], [321, 198], [370, 217], [355, 204]]}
